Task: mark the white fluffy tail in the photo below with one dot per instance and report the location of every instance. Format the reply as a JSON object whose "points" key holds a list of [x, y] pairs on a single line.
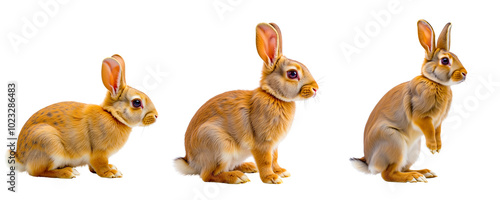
{"points": [[360, 164], [13, 162], [182, 166]]}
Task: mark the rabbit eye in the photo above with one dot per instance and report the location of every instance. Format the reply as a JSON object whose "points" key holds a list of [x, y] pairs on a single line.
{"points": [[445, 61], [137, 103], [292, 74]]}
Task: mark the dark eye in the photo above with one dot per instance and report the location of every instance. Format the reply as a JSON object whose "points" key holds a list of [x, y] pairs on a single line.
{"points": [[445, 61], [137, 103], [292, 74]]}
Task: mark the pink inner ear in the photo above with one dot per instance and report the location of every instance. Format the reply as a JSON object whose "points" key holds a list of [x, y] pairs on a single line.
{"points": [[427, 35], [112, 74], [271, 48], [115, 74], [268, 39]]}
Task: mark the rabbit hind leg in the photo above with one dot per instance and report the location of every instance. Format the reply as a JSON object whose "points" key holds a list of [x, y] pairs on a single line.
{"points": [[215, 174], [413, 154], [42, 166], [390, 155], [426, 172], [42, 146], [67, 172], [215, 168], [217, 156]]}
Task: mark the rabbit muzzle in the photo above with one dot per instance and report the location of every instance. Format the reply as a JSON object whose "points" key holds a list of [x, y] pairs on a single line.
{"points": [[459, 75], [150, 118], [309, 90]]}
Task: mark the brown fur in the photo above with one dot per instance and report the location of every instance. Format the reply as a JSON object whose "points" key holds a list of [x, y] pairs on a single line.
{"points": [[69, 134], [410, 110], [234, 125]]}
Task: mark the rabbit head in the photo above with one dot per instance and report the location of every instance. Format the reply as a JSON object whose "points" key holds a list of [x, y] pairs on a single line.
{"points": [[130, 106], [285, 79], [440, 64]]}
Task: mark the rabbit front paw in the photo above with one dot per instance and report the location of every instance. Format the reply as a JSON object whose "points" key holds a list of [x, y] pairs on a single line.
{"points": [[113, 172], [433, 147], [272, 179], [281, 172]]}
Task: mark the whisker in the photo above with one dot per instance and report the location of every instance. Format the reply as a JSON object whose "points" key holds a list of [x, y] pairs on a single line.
{"points": [[143, 130], [321, 80]]}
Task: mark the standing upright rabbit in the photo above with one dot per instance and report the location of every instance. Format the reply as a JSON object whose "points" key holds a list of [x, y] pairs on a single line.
{"points": [[410, 110], [69, 134], [233, 125]]}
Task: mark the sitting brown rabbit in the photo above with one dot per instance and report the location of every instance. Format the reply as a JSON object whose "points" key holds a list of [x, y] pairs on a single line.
{"points": [[410, 110], [70, 134], [234, 125]]}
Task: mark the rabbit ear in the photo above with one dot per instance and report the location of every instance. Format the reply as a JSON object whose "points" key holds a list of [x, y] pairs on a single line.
{"points": [[280, 39], [444, 38], [120, 60], [426, 37], [268, 43], [122, 65], [113, 77]]}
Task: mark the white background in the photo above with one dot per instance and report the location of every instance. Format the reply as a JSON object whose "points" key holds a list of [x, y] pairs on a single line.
{"points": [[181, 53]]}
